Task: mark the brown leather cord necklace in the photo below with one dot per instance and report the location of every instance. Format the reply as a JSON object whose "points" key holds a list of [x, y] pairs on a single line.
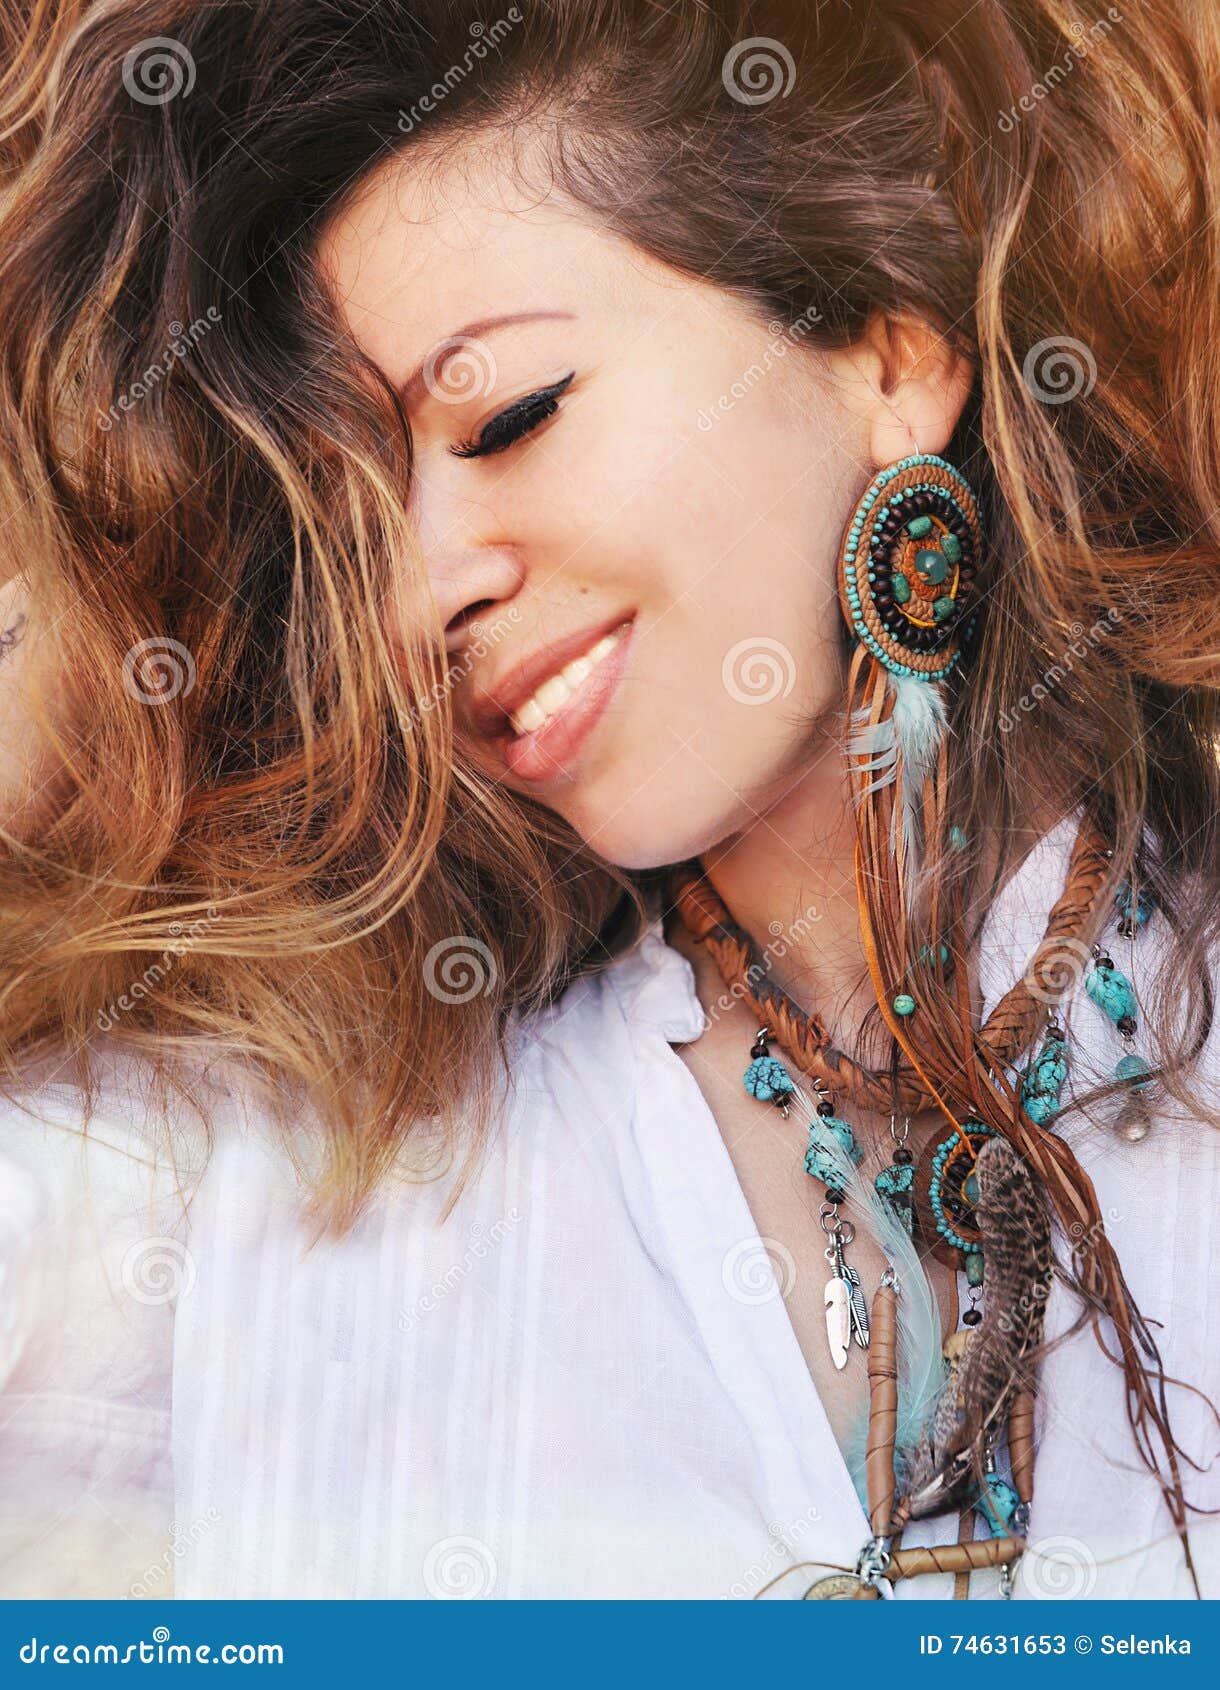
{"points": [[1008, 1031]]}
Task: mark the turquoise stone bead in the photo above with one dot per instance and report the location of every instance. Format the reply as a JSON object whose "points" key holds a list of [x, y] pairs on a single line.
{"points": [[931, 565], [970, 1189], [925, 953], [1138, 911], [997, 1504], [894, 1186], [974, 1268], [1135, 1070], [1043, 1081], [901, 589], [957, 837], [846, 1138], [919, 526], [943, 607], [767, 1079], [904, 1004], [820, 1160], [1111, 991], [1040, 1109], [952, 547]]}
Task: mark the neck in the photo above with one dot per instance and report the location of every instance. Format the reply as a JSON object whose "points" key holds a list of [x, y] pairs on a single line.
{"points": [[789, 880]]}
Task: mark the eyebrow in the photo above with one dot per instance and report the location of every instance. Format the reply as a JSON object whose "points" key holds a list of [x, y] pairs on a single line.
{"points": [[463, 336]]}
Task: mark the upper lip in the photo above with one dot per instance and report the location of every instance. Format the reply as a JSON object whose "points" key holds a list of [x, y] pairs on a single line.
{"points": [[491, 706]]}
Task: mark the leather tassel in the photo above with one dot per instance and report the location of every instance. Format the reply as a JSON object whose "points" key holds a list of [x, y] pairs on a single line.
{"points": [[962, 1070]]}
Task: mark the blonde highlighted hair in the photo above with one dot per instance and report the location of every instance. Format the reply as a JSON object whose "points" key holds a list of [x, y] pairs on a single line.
{"points": [[254, 807]]}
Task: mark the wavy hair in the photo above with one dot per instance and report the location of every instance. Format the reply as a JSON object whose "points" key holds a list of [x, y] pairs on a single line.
{"points": [[257, 830]]}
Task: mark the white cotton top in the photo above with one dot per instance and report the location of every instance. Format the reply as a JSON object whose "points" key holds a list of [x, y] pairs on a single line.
{"points": [[584, 1382]]}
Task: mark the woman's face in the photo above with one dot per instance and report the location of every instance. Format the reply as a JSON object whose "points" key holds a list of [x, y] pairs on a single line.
{"points": [[669, 493]]}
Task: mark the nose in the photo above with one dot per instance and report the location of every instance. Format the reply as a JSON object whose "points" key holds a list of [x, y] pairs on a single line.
{"points": [[472, 564]]}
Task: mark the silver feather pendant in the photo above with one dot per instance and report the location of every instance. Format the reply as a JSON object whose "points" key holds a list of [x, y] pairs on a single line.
{"points": [[838, 1319], [846, 1310], [859, 1310]]}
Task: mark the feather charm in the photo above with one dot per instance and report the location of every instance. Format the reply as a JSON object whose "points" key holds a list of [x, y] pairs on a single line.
{"points": [[989, 1364], [908, 736], [838, 1319]]}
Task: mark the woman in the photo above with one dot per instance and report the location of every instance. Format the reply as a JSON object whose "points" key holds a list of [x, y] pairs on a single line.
{"points": [[589, 554]]}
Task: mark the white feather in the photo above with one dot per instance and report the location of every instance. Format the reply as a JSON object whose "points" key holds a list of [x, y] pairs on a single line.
{"points": [[913, 731]]}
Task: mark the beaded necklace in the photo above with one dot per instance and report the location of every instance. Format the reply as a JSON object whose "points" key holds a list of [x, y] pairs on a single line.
{"points": [[943, 1202]]}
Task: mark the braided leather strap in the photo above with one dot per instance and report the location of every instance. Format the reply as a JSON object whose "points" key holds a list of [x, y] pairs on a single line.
{"points": [[1007, 1032]]}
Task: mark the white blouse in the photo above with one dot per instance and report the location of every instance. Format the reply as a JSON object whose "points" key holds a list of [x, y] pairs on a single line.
{"points": [[583, 1382]]}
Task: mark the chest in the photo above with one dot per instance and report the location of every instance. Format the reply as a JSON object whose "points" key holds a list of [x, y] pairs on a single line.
{"points": [[767, 1152]]}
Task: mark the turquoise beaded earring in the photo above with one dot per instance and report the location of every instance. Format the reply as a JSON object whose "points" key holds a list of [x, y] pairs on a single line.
{"points": [[907, 574]]}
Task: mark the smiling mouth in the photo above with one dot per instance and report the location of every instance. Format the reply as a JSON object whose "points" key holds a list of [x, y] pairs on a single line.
{"points": [[558, 691]]}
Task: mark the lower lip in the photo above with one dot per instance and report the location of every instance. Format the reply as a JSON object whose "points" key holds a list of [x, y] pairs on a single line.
{"points": [[550, 750]]}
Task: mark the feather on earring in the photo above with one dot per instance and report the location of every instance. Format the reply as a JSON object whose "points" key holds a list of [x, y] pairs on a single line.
{"points": [[906, 581]]}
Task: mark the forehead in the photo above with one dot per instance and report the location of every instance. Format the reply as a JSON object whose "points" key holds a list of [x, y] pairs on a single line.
{"points": [[432, 242]]}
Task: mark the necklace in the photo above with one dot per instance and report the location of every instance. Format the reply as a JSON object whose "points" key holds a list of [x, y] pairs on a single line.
{"points": [[971, 1197], [1008, 1030]]}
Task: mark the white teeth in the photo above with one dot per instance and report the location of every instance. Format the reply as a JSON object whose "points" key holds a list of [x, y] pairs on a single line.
{"points": [[554, 693]]}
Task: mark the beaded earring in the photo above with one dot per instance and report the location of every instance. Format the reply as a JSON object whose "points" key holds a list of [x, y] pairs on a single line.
{"points": [[907, 571], [908, 566]]}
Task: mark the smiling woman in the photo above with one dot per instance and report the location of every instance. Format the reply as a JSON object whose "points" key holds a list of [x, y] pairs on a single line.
{"points": [[601, 574]]}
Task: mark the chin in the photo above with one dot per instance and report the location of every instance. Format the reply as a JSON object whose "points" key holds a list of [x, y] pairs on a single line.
{"points": [[632, 837]]}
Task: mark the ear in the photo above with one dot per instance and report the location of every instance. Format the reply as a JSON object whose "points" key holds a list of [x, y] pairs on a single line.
{"points": [[907, 383]]}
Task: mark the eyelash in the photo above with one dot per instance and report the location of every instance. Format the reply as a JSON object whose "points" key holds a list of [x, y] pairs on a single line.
{"points": [[515, 422]]}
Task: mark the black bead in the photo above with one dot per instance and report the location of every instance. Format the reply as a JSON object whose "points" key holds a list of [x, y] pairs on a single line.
{"points": [[826, 1107], [834, 1195], [972, 1317], [1126, 1025], [902, 1156]]}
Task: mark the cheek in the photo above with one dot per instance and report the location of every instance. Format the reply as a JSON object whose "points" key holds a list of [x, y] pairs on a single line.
{"points": [[739, 651], [711, 727]]}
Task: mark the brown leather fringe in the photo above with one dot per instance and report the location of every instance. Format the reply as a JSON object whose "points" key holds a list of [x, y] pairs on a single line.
{"points": [[963, 1071], [1021, 1444], [950, 1065], [965, 1534], [882, 1411]]}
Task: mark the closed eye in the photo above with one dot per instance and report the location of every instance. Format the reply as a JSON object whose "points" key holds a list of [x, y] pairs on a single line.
{"points": [[514, 422]]}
